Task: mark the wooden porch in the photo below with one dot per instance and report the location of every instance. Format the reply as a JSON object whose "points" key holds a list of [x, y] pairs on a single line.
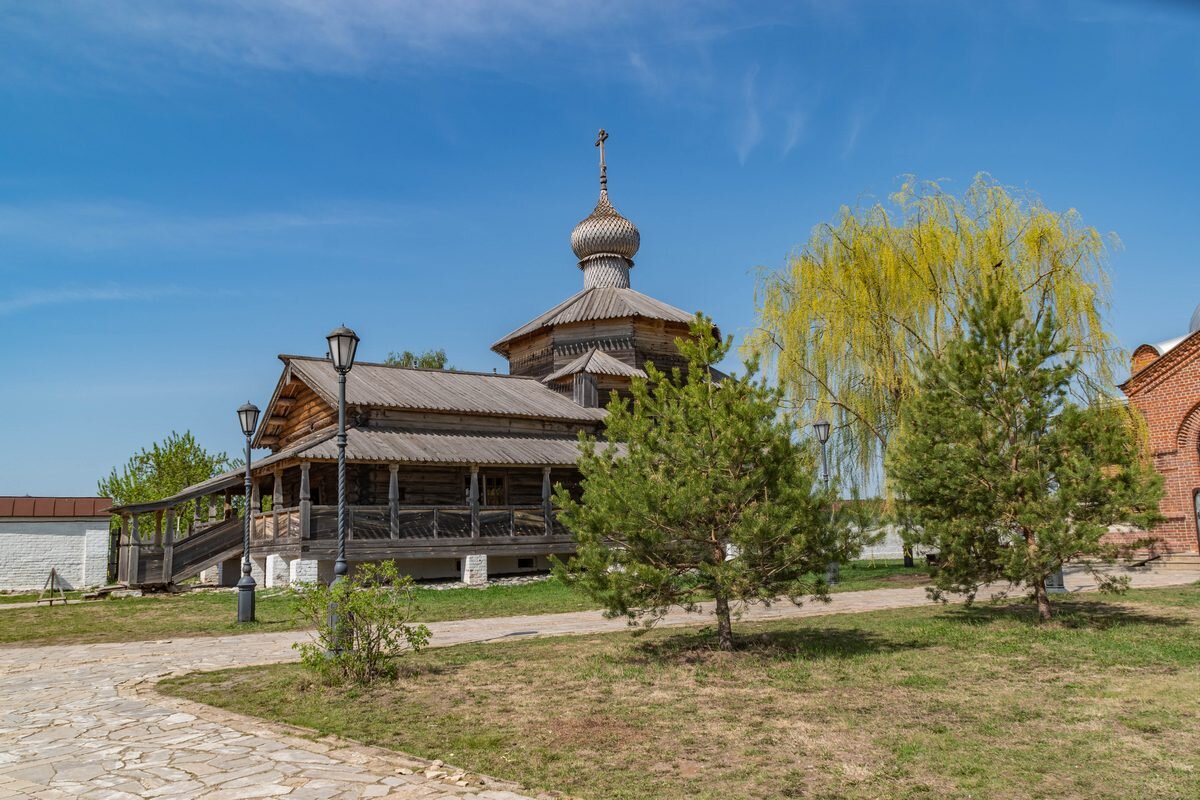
{"points": [[175, 539]]}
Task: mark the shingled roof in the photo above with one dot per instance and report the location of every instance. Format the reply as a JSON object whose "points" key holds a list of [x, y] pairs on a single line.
{"points": [[419, 447], [595, 362], [383, 386], [601, 302]]}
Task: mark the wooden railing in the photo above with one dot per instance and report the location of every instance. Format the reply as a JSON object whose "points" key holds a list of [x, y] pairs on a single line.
{"points": [[433, 522], [275, 526], [145, 562]]}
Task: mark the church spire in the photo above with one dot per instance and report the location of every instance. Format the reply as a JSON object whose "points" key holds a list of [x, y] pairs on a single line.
{"points": [[605, 242]]}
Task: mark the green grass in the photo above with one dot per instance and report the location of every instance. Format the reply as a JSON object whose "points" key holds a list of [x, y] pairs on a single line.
{"points": [[31, 597], [879, 574], [205, 613], [935, 702]]}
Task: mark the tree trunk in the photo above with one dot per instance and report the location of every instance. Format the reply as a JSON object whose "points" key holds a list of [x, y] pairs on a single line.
{"points": [[908, 556], [724, 624], [1043, 599]]}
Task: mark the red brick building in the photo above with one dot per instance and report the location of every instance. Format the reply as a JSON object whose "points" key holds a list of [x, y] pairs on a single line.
{"points": [[1165, 387]]}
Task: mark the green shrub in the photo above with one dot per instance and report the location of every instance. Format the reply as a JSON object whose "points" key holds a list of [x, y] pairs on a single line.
{"points": [[375, 608]]}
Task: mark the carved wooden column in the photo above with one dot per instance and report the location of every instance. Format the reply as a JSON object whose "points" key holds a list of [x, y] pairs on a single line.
{"points": [[123, 550], [547, 503], [135, 546], [305, 502], [276, 502], [168, 546], [394, 500], [254, 506], [473, 498]]}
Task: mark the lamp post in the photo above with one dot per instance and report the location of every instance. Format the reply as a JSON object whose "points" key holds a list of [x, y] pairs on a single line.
{"points": [[248, 417], [821, 429], [343, 343]]}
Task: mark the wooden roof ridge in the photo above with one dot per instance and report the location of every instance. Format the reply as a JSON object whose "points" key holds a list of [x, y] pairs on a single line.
{"points": [[596, 362], [1160, 368], [286, 357], [596, 303]]}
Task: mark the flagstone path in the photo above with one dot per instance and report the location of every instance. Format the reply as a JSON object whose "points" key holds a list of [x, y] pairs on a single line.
{"points": [[84, 721]]}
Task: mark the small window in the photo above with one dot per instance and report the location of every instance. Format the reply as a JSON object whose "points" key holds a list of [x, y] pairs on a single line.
{"points": [[524, 563]]}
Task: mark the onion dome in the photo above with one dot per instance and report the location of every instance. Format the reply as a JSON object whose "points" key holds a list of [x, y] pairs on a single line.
{"points": [[605, 232], [605, 242]]}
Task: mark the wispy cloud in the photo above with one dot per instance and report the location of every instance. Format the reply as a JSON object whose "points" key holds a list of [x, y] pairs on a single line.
{"points": [[328, 36], [750, 131], [97, 226], [795, 125], [35, 298], [854, 128]]}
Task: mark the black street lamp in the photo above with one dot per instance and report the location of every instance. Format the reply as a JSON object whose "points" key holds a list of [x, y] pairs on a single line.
{"points": [[343, 343], [248, 417], [821, 429]]}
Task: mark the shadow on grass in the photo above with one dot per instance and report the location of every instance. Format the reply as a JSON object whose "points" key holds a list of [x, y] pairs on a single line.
{"points": [[809, 643], [1075, 614]]}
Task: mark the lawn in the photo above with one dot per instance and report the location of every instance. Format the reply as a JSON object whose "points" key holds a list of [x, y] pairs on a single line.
{"points": [[31, 597], [935, 702], [207, 613]]}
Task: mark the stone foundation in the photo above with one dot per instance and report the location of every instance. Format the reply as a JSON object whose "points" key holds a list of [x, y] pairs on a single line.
{"points": [[278, 571], [475, 570]]}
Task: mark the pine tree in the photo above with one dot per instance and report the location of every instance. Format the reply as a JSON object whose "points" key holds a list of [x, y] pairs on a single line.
{"points": [[1002, 472], [708, 496]]}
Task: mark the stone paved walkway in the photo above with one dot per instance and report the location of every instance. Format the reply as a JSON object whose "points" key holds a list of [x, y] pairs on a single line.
{"points": [[83, 721]]}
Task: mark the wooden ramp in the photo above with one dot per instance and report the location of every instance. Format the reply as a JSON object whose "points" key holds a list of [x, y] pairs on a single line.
{"points": [[155, 565]]}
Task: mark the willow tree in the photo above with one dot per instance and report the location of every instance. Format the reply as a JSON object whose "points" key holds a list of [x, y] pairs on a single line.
{"points": [[846, 322]]}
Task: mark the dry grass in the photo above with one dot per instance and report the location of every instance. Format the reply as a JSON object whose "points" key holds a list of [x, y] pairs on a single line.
{"points": [[1104, 703]]}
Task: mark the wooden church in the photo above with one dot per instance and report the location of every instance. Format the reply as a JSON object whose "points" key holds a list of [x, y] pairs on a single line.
{"points": [[448, 472]]}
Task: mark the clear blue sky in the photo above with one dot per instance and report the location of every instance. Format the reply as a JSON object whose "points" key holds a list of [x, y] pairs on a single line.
{"points": [[187, 190]]}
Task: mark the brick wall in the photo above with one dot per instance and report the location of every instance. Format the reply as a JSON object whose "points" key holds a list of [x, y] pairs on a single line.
{"points": [[1167, 393], [76, 548]]}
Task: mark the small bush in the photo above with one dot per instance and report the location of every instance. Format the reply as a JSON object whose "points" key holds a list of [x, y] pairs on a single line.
{"points": [[375, 608]]}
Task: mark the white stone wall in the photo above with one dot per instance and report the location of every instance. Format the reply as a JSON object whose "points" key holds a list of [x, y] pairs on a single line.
{"points": [[76, 548], [891, 546]]}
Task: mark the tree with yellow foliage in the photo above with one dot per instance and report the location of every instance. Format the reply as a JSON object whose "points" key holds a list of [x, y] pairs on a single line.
{"points": [[850, 317]]}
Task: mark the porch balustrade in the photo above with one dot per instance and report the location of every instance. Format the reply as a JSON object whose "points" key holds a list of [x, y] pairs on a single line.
{"points": [[380, 522]]}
